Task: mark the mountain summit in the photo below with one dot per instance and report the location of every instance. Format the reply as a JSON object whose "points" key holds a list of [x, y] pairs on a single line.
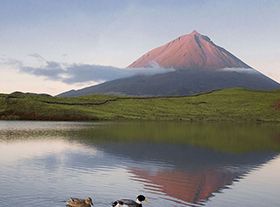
{"points": [[200, 66], [190, 51]]}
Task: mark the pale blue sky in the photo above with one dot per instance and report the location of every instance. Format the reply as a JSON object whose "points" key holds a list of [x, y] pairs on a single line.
{"points": [[115, 33]]}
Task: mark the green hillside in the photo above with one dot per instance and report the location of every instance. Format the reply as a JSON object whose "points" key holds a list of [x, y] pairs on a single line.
{"points": [[223, 105]]}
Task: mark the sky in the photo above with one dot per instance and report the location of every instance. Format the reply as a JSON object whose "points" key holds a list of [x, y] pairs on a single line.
{"points": [[85, 34]]}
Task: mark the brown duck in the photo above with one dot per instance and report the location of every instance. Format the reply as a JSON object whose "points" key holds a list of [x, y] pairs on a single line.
{"points": [[76, 202]]}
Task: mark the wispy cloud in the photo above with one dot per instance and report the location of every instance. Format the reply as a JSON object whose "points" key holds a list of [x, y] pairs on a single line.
{"points": [[239, 70], [38, 57], [81, 73], [4, 61]]}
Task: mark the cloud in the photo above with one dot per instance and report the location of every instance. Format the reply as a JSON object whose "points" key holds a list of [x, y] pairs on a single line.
{"points": [[38, 57], [52, 70], [239, 70], [10, 62], [81, 73]]}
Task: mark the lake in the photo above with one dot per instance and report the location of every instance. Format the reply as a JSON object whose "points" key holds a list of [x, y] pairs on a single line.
{"points": [[171, 163]]}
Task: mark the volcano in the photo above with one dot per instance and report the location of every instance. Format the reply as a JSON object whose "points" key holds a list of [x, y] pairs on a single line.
{"points": [[199, 66], [191, 51]]}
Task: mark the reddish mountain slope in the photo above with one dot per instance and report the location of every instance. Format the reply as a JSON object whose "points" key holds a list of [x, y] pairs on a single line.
{"points": [[190, 51], [195, 186]]}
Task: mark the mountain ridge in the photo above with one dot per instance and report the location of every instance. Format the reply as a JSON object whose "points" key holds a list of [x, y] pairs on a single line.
{"points": [[179, 83], [200, 66]]}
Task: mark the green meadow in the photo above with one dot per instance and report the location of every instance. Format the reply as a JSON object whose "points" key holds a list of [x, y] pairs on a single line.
{"points": [[223, 105]]}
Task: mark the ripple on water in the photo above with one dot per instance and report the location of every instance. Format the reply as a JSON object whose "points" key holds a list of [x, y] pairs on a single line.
{"points": [[46, 170]]}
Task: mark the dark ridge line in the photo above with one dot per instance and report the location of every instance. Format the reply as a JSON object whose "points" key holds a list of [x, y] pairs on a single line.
{"points": [[112, 100], [129, 98], [80, 104]]}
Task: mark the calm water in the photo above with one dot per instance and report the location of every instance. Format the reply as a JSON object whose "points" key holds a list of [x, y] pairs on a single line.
{"points": [[173, 164]]}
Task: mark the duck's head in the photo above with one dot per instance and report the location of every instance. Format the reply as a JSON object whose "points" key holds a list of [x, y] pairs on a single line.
{"points": [[89, 201], [140, 199]]}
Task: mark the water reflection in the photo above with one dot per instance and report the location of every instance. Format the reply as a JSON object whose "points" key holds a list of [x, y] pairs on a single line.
{"points": [[109, 161], [185, 173]]}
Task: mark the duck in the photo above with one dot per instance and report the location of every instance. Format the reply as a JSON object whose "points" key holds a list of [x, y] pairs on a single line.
{"points": [[77, 202], [130, 203]]}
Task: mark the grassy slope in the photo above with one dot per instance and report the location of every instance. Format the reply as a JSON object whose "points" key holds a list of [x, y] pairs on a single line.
{"points": [[230, 104]]}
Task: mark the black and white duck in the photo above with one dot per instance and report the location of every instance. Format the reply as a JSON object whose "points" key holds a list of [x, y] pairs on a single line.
{"points": [[130, 203]]}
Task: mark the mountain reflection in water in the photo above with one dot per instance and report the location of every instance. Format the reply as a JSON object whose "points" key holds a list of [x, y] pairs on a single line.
{"points": [[173, 164], [186, 173]]}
